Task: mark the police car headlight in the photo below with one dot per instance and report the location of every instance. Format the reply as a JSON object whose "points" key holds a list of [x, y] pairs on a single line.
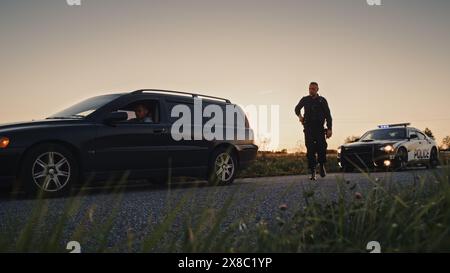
{"points": [[388, 148]]}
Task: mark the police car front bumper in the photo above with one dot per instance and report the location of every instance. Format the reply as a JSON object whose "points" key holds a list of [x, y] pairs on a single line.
{"points": [[365, 159]]}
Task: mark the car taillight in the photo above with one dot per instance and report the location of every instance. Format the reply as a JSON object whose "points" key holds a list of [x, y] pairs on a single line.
{"points": [[4, 142]]}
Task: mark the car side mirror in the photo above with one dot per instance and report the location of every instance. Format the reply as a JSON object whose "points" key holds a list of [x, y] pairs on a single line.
{"points": [[115, 117]]}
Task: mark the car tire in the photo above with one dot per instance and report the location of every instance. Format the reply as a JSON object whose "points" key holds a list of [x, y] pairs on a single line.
{"points": [[434, 159], [48, 170], [401, 159], [222, 167]]}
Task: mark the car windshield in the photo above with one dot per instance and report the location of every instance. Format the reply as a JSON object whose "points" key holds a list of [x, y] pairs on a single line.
{"points": [[384, 134], [84, 108]]}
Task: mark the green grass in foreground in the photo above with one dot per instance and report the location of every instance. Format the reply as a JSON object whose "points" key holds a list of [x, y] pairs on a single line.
{"points": [[411, 218]]}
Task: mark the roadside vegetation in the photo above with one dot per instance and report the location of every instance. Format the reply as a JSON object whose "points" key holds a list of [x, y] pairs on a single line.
{"points": [[282, 163], [402, 218], [279, 164]]}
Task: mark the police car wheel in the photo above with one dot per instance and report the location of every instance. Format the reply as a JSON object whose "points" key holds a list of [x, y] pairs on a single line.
{"points": [[434, 160], [401, 159]]}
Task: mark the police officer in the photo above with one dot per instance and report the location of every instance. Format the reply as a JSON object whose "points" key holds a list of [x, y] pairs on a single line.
{"points": [[316, 112]]}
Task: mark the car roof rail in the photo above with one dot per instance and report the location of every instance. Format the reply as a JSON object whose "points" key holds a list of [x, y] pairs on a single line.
{"points": [[394, 125], [194, 95]]}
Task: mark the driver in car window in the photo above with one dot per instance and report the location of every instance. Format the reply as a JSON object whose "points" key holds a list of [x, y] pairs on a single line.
{"points": [[142, 113]]}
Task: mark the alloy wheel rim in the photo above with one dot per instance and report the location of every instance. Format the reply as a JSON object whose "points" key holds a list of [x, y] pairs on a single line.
{"points": [[224, 167], [51, 171]]}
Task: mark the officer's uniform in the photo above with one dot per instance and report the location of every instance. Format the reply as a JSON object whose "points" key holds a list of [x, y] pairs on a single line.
{"points": [[316, 113]]}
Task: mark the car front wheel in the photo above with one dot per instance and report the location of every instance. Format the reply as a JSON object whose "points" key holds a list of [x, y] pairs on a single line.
{"points": [[48, 169], [401, 159]]}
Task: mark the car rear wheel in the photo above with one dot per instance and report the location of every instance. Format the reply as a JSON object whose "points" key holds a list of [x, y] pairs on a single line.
{"points": [[49, 170], [223, 167]]}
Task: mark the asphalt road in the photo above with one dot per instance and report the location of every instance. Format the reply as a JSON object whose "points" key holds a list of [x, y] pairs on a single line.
{"points": [[141, 208]]}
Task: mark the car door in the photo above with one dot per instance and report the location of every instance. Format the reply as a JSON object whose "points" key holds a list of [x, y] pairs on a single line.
{"points": [[424, 148], [418, 147], [131, 146], [185, 153], [412, 145]]}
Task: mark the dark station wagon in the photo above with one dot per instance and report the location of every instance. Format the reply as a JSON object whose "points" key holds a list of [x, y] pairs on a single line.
{"points": [[103, 137]]}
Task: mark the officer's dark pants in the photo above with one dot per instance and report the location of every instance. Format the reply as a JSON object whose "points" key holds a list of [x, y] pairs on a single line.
{"points": [[316, 143]]}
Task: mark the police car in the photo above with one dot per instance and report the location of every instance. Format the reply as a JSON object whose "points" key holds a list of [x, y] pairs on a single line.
{"points": [[393, 146]]}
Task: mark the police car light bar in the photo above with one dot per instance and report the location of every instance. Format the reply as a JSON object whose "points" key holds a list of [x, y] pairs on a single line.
{"points": [[393, 125]]}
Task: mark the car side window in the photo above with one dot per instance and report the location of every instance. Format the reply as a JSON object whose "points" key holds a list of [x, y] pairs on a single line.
{"points": [[421, 136], [142, 112]]}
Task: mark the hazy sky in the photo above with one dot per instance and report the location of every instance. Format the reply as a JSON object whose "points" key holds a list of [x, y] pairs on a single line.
{"points": [[374, 64]]}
